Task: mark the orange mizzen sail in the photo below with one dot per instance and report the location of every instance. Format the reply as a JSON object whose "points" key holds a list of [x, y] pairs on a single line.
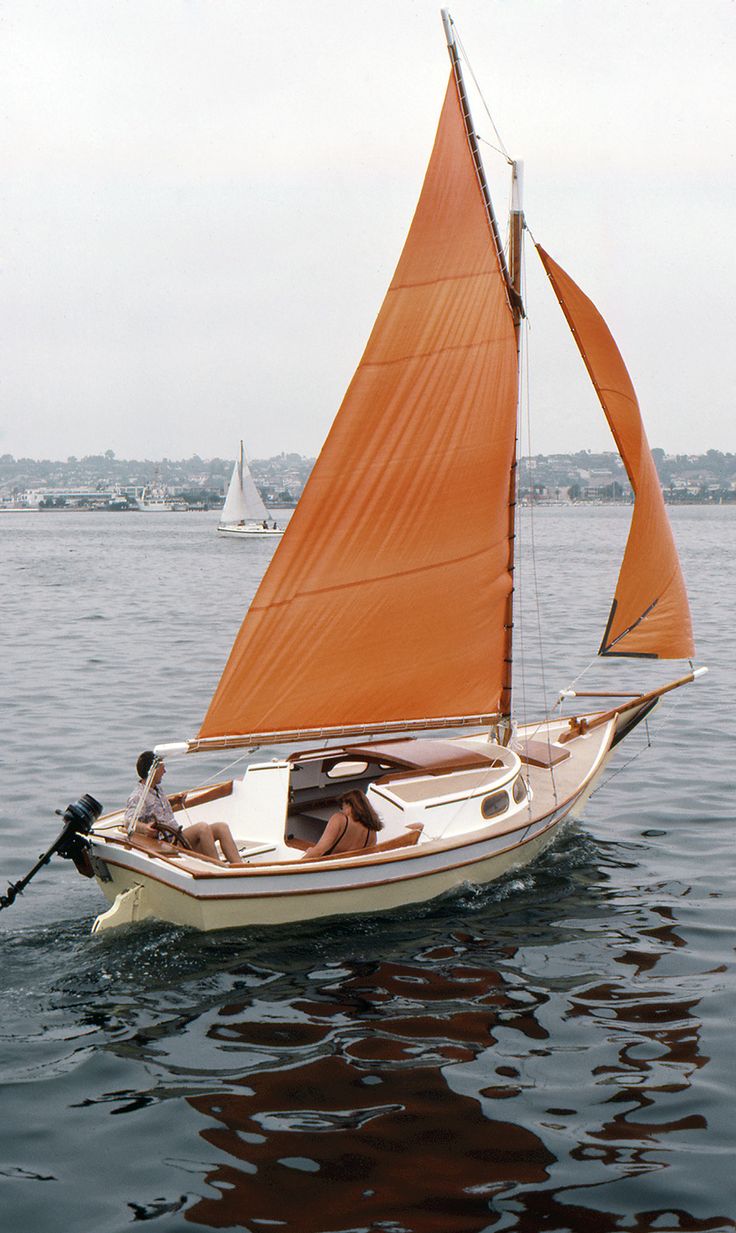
{"points": [[386, 598], [650, 615]]}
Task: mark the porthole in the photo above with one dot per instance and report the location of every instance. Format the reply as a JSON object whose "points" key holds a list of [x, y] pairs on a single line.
{"points": [[344, 770], [494, 805], [520, 791]]}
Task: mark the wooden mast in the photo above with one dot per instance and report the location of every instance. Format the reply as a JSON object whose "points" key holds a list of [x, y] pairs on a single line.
{"points": [[512, 279], [516, 235], [514, 304]]}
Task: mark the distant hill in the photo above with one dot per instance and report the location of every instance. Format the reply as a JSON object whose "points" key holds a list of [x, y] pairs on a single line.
{"points": [[281, 479], [571, 477]]}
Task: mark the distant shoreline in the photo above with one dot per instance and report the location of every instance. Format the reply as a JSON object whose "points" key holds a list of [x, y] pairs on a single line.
{"points": [[122, 509], [592, 504]]}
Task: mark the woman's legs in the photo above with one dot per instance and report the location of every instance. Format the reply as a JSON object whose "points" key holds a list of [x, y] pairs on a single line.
{"points": [[202, 836], [223, 834], [199, 835]]}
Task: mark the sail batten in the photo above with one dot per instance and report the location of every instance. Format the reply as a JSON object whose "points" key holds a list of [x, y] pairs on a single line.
{"points": [[650, 614], [385, 601], [335, 588]]}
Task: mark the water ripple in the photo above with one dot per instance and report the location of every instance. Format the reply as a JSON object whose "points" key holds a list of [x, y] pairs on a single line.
{"points": [[553, 1051]]}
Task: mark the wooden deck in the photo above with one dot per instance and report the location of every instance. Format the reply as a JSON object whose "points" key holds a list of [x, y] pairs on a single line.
{"points": [[559, 782]]}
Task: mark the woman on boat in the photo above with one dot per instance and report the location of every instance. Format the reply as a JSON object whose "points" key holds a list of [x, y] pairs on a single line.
{"points": [[355, 826], [156, 817]]}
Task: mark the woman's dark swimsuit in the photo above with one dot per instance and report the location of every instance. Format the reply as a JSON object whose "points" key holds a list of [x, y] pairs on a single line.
{"points": [[342, 832]]}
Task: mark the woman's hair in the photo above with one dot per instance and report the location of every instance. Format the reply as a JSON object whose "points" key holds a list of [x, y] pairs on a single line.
{"points": [[362, 809]]}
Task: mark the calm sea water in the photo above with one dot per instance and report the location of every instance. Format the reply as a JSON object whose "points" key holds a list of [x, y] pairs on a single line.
{"points": [[555, 1052]]}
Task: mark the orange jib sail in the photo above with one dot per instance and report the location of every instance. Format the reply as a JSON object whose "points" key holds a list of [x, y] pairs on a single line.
{"points": [[386, 599], [650, 615]]}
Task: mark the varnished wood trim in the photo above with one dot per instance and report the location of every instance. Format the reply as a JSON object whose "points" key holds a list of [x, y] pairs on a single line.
{"points": [[399, 841], [296, 735], [200, 796], [583, 723]]}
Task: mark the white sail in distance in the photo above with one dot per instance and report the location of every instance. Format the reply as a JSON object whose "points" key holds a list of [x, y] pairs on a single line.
{"points": [[243, 502]]}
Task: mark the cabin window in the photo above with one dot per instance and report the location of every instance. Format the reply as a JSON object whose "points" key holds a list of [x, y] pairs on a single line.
{"points": [[344, 770], [520, 790], [492, 806]]}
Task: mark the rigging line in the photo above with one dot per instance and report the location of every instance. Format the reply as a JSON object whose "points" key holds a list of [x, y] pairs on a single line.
{"points": [[224, 769], [625, 765], [548, 713], [521, 545], [649, 742], [464, 55], [460, 802], [217, 774], [520, 570], [533, 547], [251, 749], [496, 149], [547, 717], [577, 678], [507, 237]]}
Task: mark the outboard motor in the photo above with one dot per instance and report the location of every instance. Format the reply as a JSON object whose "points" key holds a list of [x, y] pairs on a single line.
{"points": [[72, 843]]}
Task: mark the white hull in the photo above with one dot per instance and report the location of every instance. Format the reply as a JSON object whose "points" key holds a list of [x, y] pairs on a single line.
{"points": [[456, 847], [414, 882], [249, 532]]}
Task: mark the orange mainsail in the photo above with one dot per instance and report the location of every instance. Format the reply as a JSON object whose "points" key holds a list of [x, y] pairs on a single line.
{"points": [[650, 615], [386, 599]]}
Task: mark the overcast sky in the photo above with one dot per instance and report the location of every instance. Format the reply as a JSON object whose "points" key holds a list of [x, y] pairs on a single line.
{"points": [[203, 202]]}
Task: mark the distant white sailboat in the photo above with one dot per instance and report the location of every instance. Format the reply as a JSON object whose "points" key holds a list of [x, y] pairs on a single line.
{"points": [[244, 512]]}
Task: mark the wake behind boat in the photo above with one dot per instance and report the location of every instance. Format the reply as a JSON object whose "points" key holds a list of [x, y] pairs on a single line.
{"points": [[244, 511], [380, 623]]}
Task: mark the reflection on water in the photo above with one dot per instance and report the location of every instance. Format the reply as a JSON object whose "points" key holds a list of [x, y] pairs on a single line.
{"points": [[429, 1095], [369, 1121], [461, 1067], [554, 1052]]}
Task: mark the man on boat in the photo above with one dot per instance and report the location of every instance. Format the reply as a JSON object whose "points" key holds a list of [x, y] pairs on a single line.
{"points": [[155, 816]]}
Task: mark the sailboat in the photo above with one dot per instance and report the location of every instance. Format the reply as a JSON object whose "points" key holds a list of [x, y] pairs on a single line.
{"points": [[378, 651], [244, 512]]}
